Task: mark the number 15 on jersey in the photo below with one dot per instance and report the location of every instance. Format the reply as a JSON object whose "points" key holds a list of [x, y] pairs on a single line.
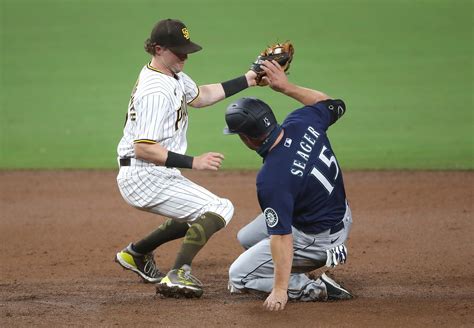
{"points": [[327, 182]]}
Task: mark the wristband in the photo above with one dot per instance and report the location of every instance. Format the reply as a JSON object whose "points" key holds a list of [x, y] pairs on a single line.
{"points": [[179, 160], [233, 86]]}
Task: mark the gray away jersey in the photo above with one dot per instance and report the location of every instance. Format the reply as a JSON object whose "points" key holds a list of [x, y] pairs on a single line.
{"points": [[157, 111]]}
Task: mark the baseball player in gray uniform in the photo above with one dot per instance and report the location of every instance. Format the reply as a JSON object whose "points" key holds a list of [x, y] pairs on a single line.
{"points": [[153, 149]]}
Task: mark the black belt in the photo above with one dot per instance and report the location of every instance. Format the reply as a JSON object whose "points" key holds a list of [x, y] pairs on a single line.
{"points": [[124, 161], [337, 227]]}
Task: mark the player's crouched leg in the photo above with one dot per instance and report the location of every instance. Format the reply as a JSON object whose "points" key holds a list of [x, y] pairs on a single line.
{"points": [[252, 270]]}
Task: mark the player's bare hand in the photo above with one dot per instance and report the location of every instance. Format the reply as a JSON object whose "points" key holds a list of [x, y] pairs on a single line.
{"points": [[208, 161], [250, 76], [276, 301], [275, 75]]}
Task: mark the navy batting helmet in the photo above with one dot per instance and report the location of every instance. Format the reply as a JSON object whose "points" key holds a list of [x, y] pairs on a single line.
{"points": [[249, 116]]}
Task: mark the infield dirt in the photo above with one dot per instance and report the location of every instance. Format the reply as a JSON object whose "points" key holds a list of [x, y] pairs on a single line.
{"points": [[410, 255]]}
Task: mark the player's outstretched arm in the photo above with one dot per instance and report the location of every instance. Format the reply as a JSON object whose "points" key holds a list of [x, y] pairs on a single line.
{"points": [[278, 81], [158, 155], [211, 93]]}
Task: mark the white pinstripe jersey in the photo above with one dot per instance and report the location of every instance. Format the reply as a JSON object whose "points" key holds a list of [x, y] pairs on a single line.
{"points": [[157, 111]]}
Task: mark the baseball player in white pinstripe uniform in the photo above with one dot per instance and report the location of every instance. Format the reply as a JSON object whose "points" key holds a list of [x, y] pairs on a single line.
{"points": [[152, 149]]}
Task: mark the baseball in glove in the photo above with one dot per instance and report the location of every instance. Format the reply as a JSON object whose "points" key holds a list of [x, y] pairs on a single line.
{"points": [[280, 52]]}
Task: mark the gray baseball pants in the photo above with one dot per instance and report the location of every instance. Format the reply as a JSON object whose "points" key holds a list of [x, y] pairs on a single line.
{"points": [[253, 269]]}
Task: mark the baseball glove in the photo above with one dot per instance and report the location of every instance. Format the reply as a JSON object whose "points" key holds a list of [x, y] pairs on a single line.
{"points": [[280, 52]]}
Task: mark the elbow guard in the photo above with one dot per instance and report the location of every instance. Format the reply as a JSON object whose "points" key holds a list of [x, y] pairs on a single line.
{"points": [[336, 108]]}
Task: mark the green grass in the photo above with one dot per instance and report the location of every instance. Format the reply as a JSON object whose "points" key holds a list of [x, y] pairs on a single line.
{"points": [[404, 68]]}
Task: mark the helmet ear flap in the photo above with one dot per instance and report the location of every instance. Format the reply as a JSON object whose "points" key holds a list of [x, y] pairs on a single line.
{"points": [[252, 143]]}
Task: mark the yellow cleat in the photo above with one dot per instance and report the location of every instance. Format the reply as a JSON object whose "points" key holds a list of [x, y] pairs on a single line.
{"points": [[143, 265], [180, 282]]}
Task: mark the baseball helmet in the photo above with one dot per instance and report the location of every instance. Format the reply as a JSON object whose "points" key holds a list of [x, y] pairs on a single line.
{"points": [[249, 116]]}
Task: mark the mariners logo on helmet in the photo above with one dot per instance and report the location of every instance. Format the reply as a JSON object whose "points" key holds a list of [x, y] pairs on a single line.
{"points": [[271, 217]]}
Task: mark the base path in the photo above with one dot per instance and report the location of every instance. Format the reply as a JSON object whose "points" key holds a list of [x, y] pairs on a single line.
{"points": [[411, 255]]}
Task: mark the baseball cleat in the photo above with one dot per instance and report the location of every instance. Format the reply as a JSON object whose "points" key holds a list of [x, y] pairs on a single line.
{"points": [[334, 290], [180, 283], [233, 290], [143, 265]]}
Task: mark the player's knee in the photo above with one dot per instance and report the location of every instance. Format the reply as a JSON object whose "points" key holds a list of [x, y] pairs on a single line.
{"points": [[229, 209], [224, 208], [244, 239], [253, 232]]}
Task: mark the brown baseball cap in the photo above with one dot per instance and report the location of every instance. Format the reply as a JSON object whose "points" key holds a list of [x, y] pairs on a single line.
{"points": [[174, 35]]}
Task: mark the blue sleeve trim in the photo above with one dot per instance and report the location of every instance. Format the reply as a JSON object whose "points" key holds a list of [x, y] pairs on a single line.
{"points": [[279, 232]]}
